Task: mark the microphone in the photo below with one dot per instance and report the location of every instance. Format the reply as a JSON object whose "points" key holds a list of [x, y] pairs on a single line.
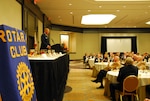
{"points": [[53, 41]]}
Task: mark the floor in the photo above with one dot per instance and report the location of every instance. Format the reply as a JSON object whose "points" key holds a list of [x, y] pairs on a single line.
{"points": [[79, 86]]}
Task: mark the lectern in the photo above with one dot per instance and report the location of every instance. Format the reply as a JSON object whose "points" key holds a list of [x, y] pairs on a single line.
{"points": [[57, 48]]}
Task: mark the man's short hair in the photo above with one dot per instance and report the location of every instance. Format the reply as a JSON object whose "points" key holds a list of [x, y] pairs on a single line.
{"points": [[129, 61]]}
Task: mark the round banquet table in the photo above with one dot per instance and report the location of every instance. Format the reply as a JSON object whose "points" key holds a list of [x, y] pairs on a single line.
{"points": [[91, 62], [99, 66], [143, 76]]}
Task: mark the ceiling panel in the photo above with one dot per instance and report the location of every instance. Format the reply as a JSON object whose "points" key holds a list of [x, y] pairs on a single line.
{"points": [[129, 13]]}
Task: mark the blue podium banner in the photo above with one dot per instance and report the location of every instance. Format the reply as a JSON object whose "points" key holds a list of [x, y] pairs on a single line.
{"points": [[16, 81]]}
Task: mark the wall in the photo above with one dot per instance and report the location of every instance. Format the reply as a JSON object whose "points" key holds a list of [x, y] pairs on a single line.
{"points": [[86, 42], [143, 42], [77, 45], [11, 14], [90, 42], [55, 35], [40, 31]]}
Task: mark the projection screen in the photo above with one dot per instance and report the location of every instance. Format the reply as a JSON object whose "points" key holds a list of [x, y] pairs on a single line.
{"points": [[118, 45]]}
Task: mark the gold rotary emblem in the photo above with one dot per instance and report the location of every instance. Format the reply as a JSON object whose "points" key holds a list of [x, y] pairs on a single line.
{"points": [[25, 82]]}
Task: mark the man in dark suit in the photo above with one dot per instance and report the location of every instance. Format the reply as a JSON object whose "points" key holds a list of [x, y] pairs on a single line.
{"points": [[128, 69], [45, 44]]}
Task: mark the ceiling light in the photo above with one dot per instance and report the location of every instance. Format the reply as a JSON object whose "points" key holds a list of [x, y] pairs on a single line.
{"points": [[100, 6], [70, 4], [118, 10], [71, 12], [89, 10], [121, 0], [148, 22], [97, 19]]}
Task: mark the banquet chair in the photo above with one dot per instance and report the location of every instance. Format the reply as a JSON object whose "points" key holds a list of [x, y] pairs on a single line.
{"points": [[0, 98], [130, 87]]}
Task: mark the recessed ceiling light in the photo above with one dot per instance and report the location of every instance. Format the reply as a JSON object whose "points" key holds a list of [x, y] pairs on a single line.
{"points": [[71, 12], [148, 22], [89, 10], [121, 0], [124, 6], [97, 19], [70, 4], [118, 10], [100, 6]]}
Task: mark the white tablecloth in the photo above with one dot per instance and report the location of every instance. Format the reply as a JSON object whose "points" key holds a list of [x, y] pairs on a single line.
{"points": [[45, 57], [148, 64], [91, 62], [144, 77], [112, 76], [97, 67], [100, 65]]}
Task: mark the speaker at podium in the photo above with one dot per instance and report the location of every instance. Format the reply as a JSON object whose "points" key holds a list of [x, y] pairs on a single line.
{"points": [[57, 48]]}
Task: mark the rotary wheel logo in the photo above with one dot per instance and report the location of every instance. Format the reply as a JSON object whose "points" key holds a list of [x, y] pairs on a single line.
{"points": [[25, 82]]}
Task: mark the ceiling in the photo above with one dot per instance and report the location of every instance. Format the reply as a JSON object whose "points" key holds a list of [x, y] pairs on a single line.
{"points": [[129, 14]]}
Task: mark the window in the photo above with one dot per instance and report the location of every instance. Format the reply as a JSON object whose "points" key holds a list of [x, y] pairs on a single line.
{"points": [[64, 40]]}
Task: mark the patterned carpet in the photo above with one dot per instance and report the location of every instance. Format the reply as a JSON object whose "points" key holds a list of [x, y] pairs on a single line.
{"points": [[79, 86]]}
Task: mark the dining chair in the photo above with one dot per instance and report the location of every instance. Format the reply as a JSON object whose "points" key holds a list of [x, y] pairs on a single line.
{"points": [[130, 87], [0, 98]]}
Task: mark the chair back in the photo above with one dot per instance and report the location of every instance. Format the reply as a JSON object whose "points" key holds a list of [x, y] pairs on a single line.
{"points": [[130, 84]]}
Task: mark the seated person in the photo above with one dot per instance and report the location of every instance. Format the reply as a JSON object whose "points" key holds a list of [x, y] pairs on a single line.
{"points": [[128, 69], [98, 58], [92, 56], [85, 58], [146, 57], [146, 99], [105, 58], [103, 72], [140, 63], [111, 57], [147, 91]]}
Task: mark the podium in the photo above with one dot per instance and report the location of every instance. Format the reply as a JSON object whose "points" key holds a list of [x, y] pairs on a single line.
{"points": [[57, 48], [50, 77]]}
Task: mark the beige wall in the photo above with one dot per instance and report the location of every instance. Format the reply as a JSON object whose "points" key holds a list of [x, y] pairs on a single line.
{"points": [[55, 35], [91, 42], [40, 31], [143, 42], [10, 11], [80, 43]]}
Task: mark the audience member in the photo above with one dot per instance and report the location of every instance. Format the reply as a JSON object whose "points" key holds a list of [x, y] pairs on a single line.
{"points": [[147, 88], [111, 56], [92, 56], [105, 58], [140, 63], [85, 58], [98, 58], [146, 99], [146, 57], [128, 69], [102, 73], [123, 56]]}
